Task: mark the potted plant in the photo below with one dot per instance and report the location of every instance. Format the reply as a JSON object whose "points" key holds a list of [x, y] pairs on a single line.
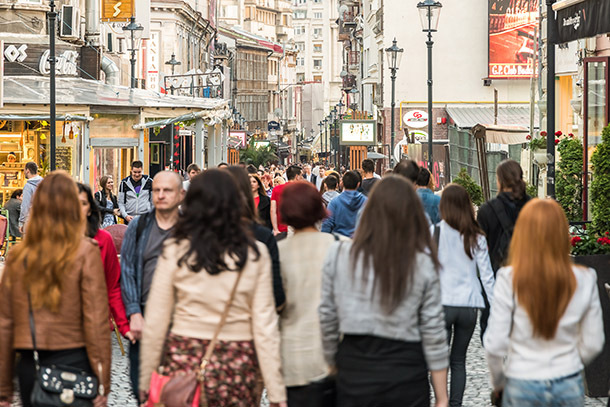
{"points": [[538, 147], [569, 176], [474, 190]]}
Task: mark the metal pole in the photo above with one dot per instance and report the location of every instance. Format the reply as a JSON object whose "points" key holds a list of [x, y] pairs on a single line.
{"points": [[52, 62], [336, 144], [550, 100], [393, 135], [326, 143], [429, 43], [133, 64]]}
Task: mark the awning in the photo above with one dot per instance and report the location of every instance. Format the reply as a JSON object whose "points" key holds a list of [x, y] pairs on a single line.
{"points": [[34, 90], [581, 19], [59, 118], [210, 117], [468, 117], [275, 47], [373, 155], [501, 134]]}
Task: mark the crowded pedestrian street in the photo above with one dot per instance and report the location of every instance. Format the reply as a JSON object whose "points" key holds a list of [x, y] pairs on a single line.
{"points": [[304, 203]]}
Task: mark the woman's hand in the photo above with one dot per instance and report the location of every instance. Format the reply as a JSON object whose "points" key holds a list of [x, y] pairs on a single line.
{"points": [[100, 401], [129, 336], [117, 212]]}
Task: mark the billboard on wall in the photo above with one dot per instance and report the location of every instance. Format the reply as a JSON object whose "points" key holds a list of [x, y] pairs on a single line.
{"points": [[358, 132], [512, 25]]}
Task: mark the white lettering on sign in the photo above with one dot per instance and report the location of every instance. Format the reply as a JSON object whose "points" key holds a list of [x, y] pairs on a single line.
{"points": [[117, 9], [66, 63], [152, 76], [14, 54]]}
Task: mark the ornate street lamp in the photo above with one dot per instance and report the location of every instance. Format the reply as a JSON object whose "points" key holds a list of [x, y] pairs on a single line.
{"points": [[135, 31], [429, 12], [52, 15], [173, 62], [394, 55]]}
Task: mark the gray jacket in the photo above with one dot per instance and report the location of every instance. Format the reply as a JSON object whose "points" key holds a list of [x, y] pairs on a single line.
{"points": [[349, 306], [131, 203], [28, 196]]}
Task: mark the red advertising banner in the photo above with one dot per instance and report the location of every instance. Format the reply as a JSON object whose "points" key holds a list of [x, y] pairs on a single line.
{"points": [[512, 25]]}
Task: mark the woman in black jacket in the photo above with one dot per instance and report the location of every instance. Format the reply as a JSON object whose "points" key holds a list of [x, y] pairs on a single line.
{"points": [[107, 202], [261, 200], [497, 218]]}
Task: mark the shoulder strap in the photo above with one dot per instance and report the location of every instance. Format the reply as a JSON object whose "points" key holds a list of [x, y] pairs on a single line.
{"points": [[223, 319], [437, 234], [500, 212], [33, 333], [142, 222]]}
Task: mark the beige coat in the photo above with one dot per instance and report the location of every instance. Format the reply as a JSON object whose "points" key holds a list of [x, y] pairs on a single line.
{"points": [[193, 303]]}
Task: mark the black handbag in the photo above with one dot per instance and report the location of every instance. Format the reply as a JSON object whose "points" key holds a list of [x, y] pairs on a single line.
{"points": [[60, 386], [324, 392]]}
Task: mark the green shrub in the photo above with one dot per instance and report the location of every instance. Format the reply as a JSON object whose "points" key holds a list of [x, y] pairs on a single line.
{"points": [[569, 177], [473, 189], [531, 190], [600, 185]]}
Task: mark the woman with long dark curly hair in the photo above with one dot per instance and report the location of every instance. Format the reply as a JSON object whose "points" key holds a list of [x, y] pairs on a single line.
{"points": [[211, 254]]}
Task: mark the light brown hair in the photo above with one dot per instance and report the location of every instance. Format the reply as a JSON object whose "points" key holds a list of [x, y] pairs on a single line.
{"points": [[54, 232], [539, 254], [392, 232]]}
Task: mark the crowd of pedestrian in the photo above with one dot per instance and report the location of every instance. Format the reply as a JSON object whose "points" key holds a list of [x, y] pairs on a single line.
{"points": [[325, 287]]}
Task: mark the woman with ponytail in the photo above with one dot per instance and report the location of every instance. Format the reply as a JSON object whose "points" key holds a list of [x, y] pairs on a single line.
{"points": [[497, 218]]}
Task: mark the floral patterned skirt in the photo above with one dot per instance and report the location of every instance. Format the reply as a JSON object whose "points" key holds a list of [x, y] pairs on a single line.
{"points": [[232, 376]]}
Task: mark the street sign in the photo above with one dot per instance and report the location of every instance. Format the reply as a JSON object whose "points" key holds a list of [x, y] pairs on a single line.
{"points": [[117, 10], [417, 119]]}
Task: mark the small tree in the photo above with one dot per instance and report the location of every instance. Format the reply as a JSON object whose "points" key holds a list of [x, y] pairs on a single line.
{"points": [[600, 185], [258, 155], [569, 177], [474, 190]]}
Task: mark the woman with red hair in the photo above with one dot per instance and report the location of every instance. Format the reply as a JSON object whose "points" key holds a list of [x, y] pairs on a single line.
{"points": [[301, 259], [546, 315]]}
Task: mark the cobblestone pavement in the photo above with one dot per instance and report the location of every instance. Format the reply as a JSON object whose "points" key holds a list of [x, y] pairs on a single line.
{"points": [[476, 395]]}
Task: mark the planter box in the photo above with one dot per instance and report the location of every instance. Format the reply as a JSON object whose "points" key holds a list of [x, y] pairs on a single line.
{"points": [[597, 374]]}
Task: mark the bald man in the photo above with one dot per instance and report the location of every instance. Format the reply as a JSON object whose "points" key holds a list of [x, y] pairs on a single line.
{"points": [[142, 246]]}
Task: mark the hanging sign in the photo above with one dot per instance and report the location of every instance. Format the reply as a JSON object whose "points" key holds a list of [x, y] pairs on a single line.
{"points": [[117, 10], [33, 59], [416, 118], [583, 20]]}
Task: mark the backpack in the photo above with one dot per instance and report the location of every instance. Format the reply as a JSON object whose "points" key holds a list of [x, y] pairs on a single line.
{"points": [[499, 252]]}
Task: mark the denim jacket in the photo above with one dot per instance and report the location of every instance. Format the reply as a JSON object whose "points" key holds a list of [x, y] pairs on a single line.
{"points": [[131, 265], [431, 203]]}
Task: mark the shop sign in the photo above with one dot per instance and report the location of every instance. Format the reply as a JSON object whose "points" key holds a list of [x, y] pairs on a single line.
{"points": [[512, 30], [273, 126], [33, 59], [117, 10], [416, 118], [583, 20], [152, 76], [358, 132]]}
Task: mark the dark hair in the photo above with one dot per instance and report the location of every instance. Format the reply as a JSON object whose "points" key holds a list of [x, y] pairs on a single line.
{"points": [[104, 183], [137, 164], [213, 224], [392, 232], [251, 169], [261, 188], [331, 182], [94, 219], [16, 193], [292, 172], [31, 167], [408, 169], [510, 175], [193, 167], [241, 179], [301, 205], [457, 210], [423, 178], [368, 166], [351, 180], [223, 164]]}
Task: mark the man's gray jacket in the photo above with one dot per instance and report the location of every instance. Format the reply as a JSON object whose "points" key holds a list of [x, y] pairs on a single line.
{"points": [[132, 203]]}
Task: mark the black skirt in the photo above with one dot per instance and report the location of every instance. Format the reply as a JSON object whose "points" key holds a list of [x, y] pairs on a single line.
{"points": [[378, 372]]}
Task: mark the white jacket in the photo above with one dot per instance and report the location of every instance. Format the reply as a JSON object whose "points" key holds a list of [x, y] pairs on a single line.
{"points": [[460, 286], [579, 337]]}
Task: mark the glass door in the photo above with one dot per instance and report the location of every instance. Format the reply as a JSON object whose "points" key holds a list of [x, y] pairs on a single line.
{"points": [[115, 162], [596, 115]]}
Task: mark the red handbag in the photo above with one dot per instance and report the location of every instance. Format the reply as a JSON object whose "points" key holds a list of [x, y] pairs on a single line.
{"points": [[186, 389]]}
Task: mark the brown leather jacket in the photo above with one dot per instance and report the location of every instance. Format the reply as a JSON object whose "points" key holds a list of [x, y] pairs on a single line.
{"points": [[82, 320]]}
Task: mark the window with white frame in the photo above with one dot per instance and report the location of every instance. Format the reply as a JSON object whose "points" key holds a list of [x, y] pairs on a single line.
{"points": [[317, 15], [317, 48], [300, 46], [317, 63], [299, 30], [317, 32]]}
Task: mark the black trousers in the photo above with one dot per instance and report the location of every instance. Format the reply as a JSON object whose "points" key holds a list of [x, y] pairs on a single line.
{"points": [[134, 368], [460, 323], [26, 368]]}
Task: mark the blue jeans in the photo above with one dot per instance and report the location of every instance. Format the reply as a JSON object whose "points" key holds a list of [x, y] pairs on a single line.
{"points": [[563, 392]]}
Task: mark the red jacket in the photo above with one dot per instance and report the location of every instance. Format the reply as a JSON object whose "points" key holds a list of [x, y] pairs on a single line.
{"points": [[112, 270]]}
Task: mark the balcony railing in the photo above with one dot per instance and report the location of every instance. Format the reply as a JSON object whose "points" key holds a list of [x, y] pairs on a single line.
{"points": [[198, 85]]}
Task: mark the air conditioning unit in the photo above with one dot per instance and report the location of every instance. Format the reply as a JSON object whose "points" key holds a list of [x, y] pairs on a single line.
{"points": [[317, 67], [70, 22]]}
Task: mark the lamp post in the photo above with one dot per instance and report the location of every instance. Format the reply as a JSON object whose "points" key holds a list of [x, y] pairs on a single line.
{"points": [[338, 155], [321, 138], [173, 62], [135, 31], [326, 120], [333, 135], [394, 55], [52, 61], [429, 12]]}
